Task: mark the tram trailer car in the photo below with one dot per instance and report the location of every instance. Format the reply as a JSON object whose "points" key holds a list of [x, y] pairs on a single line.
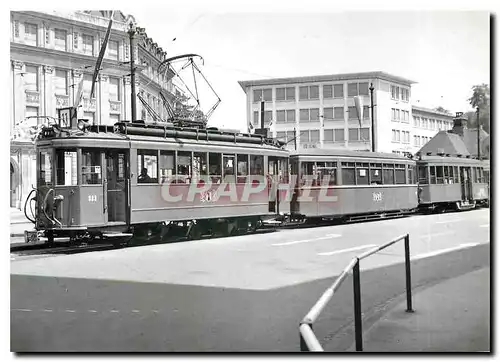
{"points": [[452, 182], [352, 184], [92, 182]]}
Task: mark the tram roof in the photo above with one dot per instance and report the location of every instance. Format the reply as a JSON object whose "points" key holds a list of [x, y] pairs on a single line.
{"points": [[319, 152]]}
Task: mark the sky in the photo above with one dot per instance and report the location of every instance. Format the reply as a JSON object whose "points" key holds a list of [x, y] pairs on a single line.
{"points": [[445, 52]]}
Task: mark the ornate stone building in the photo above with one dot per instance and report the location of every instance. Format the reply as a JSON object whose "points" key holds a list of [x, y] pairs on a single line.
{"points": [[51, 52]]}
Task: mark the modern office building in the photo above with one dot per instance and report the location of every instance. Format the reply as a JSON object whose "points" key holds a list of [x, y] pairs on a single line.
{"points": [[321, 110], [51, 52]]}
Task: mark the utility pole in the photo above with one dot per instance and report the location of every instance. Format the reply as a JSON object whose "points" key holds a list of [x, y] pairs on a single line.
{"points": [[131, 33], [373, 116], [478, 136], [262, 114]]}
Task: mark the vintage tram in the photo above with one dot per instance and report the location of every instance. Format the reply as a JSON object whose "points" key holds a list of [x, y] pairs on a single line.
{"points": [[446, 182], [152, 180], [352, 185]]}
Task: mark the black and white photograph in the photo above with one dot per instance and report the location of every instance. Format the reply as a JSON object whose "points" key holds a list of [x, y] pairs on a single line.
{"points": [[254, 177]]}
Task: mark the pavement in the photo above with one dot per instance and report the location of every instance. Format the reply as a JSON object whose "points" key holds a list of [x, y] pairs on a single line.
{"points": [[448, 317], [182, 297], [18, 224]]}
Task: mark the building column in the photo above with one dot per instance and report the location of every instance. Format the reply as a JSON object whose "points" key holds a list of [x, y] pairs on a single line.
{"points": [[321, 116], [19, 98], [104, 100], [49, 100], [126, 103], [77, 77], [297, 117]]}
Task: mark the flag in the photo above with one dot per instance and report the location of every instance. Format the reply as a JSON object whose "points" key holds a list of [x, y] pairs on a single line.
{"points": [[101, 55], [79, 94], [358, 101]]}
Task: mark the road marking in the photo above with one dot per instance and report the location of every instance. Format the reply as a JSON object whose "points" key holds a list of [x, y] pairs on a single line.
{"points": [[114, 311], [22, 310], [442, 251], [48, 310], [437, 234], [70, 311], [329, 236], [135, 311], [154, 311], [485, 226], [446, 222], [92, 311], [348, 250]]}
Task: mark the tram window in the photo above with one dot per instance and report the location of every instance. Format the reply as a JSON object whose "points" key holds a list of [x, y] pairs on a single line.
{"points": [[475, 174], [326, 173], [242, 168], [400, 173], [388, 176], [200, 167], [228, 162], [446, 173], [422, 175], [439, 174], [167, 166], [375, 174], [481, 175], [283, 170], [348, 173], [45, 168], [215, 167], [456, 175], [362, 176], [294, 168], [91, 167], [183, 174], [486, 176], [307, 173], [256, 165], [66, 168], [433, 174], [147, 166]]}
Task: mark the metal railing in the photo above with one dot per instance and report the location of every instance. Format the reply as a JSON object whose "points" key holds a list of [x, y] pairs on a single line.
{"points": [[308, 340]]}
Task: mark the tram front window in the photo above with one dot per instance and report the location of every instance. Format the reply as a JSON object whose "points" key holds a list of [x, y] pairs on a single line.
{"points": [[45, 160], [91, 167], [66, 168]]}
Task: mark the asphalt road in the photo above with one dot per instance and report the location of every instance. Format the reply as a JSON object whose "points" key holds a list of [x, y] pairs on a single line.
{"points": [[235, 294]]}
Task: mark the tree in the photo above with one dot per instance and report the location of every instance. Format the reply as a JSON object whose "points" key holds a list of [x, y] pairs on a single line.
{"points": [[441, 109], [481, 98]]}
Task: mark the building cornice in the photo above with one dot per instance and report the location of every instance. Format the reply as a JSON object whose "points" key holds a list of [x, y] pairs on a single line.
{"points": [[327, 78], [431, 111]]}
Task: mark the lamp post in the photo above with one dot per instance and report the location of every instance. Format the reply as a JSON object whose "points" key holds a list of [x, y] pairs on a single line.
{"points": [[131, 34], [372, 106], [478, 136]]}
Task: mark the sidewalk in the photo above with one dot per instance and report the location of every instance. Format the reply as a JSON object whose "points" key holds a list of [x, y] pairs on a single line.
{"points": [[19, 223], [451, 316]]}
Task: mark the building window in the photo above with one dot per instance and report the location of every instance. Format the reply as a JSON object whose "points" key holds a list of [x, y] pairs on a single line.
{"points": [[352, 89], [405, 94], [113, 50], [328, 136], [352, 113], [61, 82], [353, 134], [366, 112], [31, 115], [314, 136], [309, 92], [309, 114], [363, 89], [31, 78], [339, 135], [415, 121], [87, 84], [263, 95], [60, 39], [394, 92], [338, 113], [364, 134], [280, 116], [31, 34], [88, 44], [285, 116], [328, 113], [338, 91], [114, 89], [327, 91]]}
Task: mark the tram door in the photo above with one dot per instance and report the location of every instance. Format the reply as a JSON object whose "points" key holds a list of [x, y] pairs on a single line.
{"points": [[115, 186], [272, 183], [465, 179]]}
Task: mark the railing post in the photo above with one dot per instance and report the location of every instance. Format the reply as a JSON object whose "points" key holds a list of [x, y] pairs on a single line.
{"points": [[358, 331], [409, 308], [303, 345]]}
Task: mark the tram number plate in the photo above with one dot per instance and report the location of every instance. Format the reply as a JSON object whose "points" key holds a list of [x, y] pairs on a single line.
{"points": [[92, 198], [377, 196]]}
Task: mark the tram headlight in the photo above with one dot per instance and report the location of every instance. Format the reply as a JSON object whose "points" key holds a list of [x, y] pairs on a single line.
{"points": [[82, 124]]}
